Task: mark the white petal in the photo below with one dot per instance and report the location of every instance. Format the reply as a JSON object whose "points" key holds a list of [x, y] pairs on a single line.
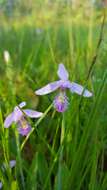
{"points": [[17, 114], [32, 113], [49, 88], [12, 163], [77, 88], [22, 104], [1, 185], [9, 119], [62, 72]]}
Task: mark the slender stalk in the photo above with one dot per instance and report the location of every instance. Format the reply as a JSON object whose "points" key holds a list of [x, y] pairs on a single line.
{"points": [[5, 145], [94, 59], [61, 154], [98, 47], [19, 159], [37, 123]]}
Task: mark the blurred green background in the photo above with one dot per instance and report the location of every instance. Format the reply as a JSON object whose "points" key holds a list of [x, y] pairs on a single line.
{"points": [[40, 34]]}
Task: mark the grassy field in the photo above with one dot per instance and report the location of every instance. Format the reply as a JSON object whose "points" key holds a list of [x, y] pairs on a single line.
{"points": [[64, 151]]}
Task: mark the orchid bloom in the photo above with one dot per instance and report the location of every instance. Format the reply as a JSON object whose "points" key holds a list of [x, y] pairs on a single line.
{"points": [[12, 164], [61, 100], [1, 185], [19, 116]]}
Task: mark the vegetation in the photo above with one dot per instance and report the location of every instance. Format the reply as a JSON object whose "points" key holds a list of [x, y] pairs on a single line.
{"points": [[63, 151]]}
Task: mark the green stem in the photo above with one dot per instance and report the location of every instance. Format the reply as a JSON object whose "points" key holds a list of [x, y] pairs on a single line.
{"points": [[37, 123], [62, 130], [5, 145], [19, 159], [61, 154]]}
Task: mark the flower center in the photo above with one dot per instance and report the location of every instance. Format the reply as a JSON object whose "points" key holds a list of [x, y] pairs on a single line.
{"points": [[23, 123], [61, 102]]}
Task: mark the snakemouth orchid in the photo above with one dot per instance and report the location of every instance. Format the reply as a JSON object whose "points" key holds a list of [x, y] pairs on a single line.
{"points": [[19, 116], [61, 100]]}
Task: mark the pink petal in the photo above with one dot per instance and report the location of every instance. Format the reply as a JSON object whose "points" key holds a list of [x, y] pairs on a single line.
{"points": [[1, 185], [22, 104], [32, 113], [24, 131], [80, 89], [49, 88], [65, 84], [8, 121], [17, 114], [12, 163], [62, 72]]}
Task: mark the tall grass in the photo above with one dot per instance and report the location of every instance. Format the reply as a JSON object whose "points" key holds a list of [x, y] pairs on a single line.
{"points": [[62, 152]]}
